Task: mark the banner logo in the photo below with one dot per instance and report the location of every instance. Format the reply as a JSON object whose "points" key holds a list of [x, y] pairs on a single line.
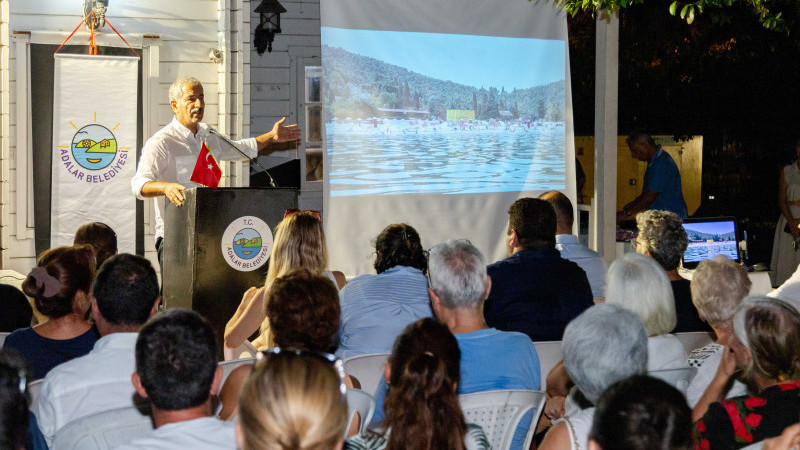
{"points": [[93, 155], [246, 243]]}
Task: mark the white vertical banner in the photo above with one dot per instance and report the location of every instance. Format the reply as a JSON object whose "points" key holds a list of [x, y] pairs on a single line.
{"points": [[94, 146]]}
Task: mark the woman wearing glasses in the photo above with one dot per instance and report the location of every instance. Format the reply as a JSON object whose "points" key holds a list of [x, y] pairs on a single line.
{"points": [[422, 409], [299, 244], [293, 400], [376, 308]]}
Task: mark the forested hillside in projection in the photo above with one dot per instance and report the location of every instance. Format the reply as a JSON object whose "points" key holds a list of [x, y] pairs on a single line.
{"points": [[356, 86]]}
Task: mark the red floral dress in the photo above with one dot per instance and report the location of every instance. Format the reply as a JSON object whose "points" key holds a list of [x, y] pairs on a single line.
{"points": [[741, 421]]}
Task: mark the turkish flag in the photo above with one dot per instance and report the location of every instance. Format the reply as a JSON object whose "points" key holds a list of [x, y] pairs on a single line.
{"points": [[206, 171]]}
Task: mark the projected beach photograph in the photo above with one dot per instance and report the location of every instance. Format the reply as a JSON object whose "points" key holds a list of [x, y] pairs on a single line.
{"points": [[417, 113], [709, 239]]}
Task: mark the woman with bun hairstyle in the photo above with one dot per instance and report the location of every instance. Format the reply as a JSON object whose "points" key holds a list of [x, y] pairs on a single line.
{"points": [[60, 285]]}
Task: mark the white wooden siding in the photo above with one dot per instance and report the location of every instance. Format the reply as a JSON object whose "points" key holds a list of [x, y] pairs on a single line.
{"points": [[185, 29]]}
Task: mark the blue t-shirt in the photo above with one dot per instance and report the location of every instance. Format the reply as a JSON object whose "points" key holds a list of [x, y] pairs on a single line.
{"points": [[490, 360], [43, 353], [662, 175], [376, 308]]}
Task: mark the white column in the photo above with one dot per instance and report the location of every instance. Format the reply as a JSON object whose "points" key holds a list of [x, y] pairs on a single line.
{"points": [[605, 135]]}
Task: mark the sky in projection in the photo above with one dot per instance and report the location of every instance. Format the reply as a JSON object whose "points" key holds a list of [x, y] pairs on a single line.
{"points": [[478, 61]]}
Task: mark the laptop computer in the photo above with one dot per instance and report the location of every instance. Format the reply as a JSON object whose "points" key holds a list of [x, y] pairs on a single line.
{"points": [[709, 237]]}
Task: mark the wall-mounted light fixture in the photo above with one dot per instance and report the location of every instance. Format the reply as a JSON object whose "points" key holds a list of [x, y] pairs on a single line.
{"points": [[270, 24], [99, 17]]}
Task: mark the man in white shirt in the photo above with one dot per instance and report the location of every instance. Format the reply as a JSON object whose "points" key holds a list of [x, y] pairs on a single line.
{"points": [[124, 296], [168, 157], [570, 247], [177, 371]]}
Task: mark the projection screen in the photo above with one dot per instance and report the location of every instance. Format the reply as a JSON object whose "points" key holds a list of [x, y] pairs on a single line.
{"points": [[440, 114]]}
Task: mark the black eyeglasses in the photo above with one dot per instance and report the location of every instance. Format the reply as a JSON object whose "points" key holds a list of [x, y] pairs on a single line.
{"points": [[337, 363], [433, 250]]}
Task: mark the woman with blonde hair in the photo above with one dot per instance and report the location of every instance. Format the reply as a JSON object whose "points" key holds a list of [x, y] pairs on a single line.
{"points": [[293, 400], [299, 244]]}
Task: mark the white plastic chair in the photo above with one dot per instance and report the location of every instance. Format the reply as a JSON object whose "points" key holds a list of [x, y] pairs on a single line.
{"points": [[228, 366], [500, 412], [362, 403], [680, 378], [694, 340], [3, 338], [368, 369], [550, 353], [34, 388], [104, 430], [245, 350]]}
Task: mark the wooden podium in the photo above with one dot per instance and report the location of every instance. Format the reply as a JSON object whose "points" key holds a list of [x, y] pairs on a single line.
{"points": [[216, 246]]}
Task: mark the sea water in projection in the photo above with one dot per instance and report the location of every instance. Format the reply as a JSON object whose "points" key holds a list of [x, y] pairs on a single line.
{"points": [[431, 113]]}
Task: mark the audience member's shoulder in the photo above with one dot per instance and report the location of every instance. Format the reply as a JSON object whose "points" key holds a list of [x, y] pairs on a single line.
{"points": [[513, 339], [20, 336], [504, 263], [358, 281]]}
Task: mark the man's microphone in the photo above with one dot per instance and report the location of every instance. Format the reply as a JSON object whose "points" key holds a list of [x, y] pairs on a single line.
{"points": [[254, 161]]}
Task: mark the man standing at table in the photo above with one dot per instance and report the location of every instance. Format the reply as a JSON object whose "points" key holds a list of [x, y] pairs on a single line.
{"points": [[662, 179], [169, 156]]}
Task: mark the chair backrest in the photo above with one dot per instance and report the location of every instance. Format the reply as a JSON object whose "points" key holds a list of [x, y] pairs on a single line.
{"points": [[228, 366], [245, 350], [3, 336], [550, 353], [362, 403], [500, 412], [34, 388], [368, 369], [104, 430], [694, 340], [680, 378]]}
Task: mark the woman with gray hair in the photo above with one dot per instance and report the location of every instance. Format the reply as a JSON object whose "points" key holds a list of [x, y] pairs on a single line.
{"points": [[662, 237], [718, 287], [603, 345], [638, 284], [765, 345]]}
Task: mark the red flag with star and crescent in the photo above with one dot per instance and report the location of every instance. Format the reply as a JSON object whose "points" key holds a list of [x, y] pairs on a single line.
{"points": [[206, 171]]}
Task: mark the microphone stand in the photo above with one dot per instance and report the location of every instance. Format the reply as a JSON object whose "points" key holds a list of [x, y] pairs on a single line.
{"points": [[254, 161]]}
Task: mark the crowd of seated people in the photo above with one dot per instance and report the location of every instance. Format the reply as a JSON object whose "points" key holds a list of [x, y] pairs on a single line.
{"points": [[450, 322]]}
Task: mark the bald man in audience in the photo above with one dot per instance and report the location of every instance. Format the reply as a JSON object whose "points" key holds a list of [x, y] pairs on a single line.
{"points": [[570, 247]]}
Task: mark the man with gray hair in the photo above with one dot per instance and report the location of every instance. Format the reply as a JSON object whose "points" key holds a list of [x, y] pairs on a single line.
{"points": [[490, 359], [169, 156], [603, 345]]}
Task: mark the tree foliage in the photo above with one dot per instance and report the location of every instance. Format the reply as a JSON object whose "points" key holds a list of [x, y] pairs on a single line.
{"points": [[356, 86], [776, 15]]}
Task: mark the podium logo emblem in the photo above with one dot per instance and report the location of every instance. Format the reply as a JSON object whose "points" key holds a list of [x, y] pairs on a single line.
{"points": [[246, 243]]}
